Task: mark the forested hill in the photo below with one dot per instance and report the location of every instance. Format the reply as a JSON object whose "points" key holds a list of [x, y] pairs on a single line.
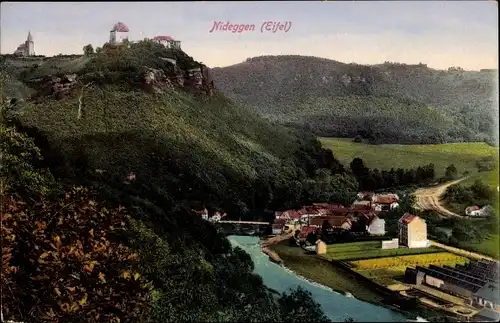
{"points": [[387, 103], [105, 155]]}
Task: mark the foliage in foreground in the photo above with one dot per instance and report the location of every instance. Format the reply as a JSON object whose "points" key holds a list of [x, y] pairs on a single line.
{"points": [[66, 264]]}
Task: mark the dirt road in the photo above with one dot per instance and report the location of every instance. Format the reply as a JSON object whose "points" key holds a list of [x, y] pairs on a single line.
{"points": [[429, 198], [462, 252]]}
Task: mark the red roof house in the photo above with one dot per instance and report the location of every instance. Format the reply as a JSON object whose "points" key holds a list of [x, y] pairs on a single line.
{"points": [[304, 232], [407, 218]]}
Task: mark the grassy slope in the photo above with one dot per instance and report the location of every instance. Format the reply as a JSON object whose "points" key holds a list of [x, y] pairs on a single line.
{"points": [[462, 155], [225, 133]]}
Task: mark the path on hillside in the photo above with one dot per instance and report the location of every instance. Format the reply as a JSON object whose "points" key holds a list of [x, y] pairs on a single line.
{"points": [[429, 198], [462, 252]]}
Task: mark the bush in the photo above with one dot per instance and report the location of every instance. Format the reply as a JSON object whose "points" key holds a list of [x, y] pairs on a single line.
{"points": [[67, 264], [21, 169]]}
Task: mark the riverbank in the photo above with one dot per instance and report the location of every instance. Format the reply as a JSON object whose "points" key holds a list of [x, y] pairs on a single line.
{"points": [[336, 306], [324, 273], [340, 280]]}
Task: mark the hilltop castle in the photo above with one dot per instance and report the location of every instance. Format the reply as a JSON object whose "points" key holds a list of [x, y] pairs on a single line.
{"points": [[27, 48], [119, 34]]}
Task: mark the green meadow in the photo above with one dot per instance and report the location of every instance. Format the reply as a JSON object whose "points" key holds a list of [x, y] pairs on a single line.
{"points": [[385, 157]]}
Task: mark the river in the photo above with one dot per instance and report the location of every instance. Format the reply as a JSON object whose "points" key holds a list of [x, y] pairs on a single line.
{"points": [[335, 305]]}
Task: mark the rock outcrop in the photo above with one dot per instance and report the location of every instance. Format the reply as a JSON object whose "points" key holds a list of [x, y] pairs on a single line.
{"points": [[58, 87]]}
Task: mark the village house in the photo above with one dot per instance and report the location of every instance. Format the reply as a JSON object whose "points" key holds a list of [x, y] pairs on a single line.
{"points": [[336, 222], [203, 213], [376, 226], [217, 216], [278, 226], [363, 203], [476, 211], [385, 202], [365, 195], [473, 210], [412, 231], [305, 231], [321, 247]]}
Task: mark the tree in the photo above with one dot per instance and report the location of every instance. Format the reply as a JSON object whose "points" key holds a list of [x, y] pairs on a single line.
{"points": [[88, 50], [326, 226], [98, 49], [21, 160], [298, 306], [358, 167], [451, 172]]}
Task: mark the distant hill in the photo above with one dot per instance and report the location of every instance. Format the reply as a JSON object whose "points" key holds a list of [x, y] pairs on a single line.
{"points": [[387, 103]]}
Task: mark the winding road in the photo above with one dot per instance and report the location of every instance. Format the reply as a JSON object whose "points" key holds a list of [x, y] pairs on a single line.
{"points": [[429, 198]]}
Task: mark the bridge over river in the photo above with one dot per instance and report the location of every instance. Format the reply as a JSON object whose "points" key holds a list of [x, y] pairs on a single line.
{"points": [[243, 227]]}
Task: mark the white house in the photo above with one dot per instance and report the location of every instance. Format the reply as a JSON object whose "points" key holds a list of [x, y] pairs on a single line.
{"points": [[412, 231], [473, 211], [376, 227]]}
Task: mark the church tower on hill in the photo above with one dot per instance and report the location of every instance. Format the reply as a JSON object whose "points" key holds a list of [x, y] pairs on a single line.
{"points": [[27, 48]]}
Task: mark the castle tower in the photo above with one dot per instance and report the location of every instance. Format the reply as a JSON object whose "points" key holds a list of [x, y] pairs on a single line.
{"points": [[30, 45], [119, 33]]}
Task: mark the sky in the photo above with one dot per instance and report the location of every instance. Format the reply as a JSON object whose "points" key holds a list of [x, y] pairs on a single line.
{"points": [[437, 33]]}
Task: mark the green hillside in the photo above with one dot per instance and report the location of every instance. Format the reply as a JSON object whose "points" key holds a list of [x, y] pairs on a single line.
{"points": [[387, 103], [384, 157]]}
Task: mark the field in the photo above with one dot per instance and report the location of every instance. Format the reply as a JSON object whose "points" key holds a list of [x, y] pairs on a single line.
{"points": [[315, 269], [389, 271], [385, 157], [488, 246], [369, 249]]}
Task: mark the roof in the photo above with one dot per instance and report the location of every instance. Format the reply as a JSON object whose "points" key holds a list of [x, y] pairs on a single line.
{"points": [[488, 313], [280, 221], [30, 38], [166, 38], [335, 221], [407, 218], [327, 205], [120, 27], [304, 232], [385, 199], [490, 292], [474, 208], [362, 203]]}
